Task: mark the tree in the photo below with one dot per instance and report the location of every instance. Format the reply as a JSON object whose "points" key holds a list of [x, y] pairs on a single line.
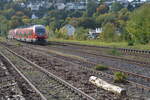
{"points": [[38, 21], [108, 33], [55, 25], [139, 24], [130, 7], [102, 1], [123, 14], [57, 14], [75, 14], [16, 21], [81, 33], [102, 9], [26, 21], [19, 13], [3, 26], [87, 22], [91, 8], [116, 6], [73, 21], [8, 13]]}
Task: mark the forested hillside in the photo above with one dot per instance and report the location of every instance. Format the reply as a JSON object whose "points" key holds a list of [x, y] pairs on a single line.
{"points": [[118, 23]]}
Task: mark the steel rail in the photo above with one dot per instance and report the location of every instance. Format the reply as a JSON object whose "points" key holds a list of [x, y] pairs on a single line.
{"points": [[19, 72], [79, 92], [109, 75], [141, 63], [106, 47], [105, 74], [113, 69]]}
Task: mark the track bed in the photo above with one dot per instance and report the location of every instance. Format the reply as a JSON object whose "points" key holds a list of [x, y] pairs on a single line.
{"points": [[78, 77]]}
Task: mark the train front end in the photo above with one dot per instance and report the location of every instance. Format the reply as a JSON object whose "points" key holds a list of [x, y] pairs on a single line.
{"points": [[40, 33]]}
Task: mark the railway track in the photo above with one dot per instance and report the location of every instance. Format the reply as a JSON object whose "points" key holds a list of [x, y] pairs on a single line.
{"points": [[143, 81], [94, 63], [7, 84], [12, 85], [143, 87], [50, 86], [88, 88], [144, 66], [104, 47], [75, 74], [140, 63], [102, 74]]}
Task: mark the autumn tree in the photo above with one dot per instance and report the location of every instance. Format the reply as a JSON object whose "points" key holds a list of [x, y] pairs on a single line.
{"points": [[139, 24], [102, 9], [108, 33], [116, 6]]}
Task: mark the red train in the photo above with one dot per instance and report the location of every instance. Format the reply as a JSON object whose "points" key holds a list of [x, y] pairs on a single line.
{"points": [[35, 33]]}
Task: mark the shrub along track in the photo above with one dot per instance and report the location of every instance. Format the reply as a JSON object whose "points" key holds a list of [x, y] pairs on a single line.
{"points": [[51, 86], [133, 90]]}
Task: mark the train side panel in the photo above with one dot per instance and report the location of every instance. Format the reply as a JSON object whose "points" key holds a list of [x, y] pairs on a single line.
{"points": [[30, 34]]}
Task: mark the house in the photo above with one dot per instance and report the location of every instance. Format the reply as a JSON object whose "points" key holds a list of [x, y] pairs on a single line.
{"points": [[69, 29], [94, 33], [125, 3], [76, 6], [134, 3], [34, 6], [34, 16], [47, 4], [69, 6], [22, 5], [60, 6]]}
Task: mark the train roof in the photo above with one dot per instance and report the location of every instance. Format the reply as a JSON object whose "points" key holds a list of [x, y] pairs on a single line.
{"points": [[30, 26], [38, 26]]}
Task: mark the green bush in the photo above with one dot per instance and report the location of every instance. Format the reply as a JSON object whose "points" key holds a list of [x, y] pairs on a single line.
{"points": [[115, 52], [131, 43], [101, 67], [81, 34], [119, 77], [138, 24], [18, 44]]}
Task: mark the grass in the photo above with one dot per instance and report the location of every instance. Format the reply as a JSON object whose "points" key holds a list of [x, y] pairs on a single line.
{"points": [[2, 39], [114, 52], [101, 67], [119, 77], [112, 44]]}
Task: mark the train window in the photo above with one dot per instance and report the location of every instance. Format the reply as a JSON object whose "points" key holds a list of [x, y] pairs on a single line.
{"points": [[40, 30]]}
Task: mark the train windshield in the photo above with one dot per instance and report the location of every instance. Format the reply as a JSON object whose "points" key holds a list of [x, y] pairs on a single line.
{"points": [[40, 30]]}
